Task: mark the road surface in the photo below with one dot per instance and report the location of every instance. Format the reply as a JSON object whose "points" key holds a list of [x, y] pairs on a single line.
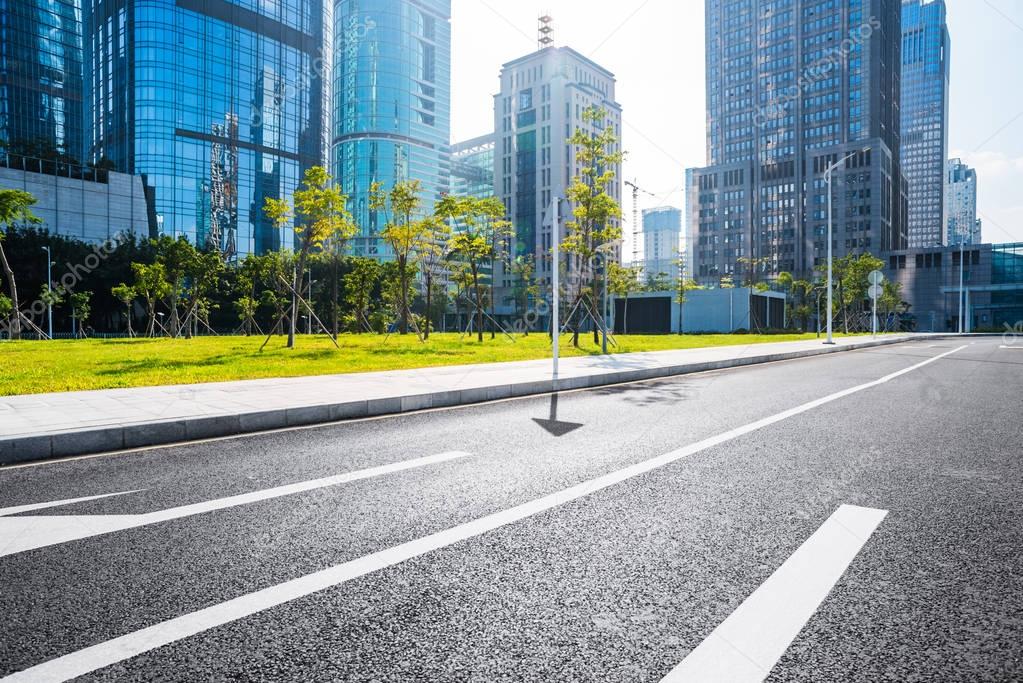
{"points": [[849, 517]]}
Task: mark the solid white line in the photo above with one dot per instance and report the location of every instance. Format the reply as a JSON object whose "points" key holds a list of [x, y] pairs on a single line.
{"points": [[748, 644], [124, 647], [1011, 347], [57, 503], [18, 534]]}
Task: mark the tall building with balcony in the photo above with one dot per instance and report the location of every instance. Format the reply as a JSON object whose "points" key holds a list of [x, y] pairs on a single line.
{"points": [[961, 204], [538, 109], [926, 50], [794, 86], [662, 235], [41, 110], [392, 104], [219, 105]]}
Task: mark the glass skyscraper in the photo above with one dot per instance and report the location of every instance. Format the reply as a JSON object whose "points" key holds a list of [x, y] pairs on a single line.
{"points": [[792, 87], [961, 204], [41, 77], [925, 74], [218, 104], [391, 103]]}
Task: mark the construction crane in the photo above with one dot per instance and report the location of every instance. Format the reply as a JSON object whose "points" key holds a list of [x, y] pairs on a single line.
{"points": [[637, 228]]}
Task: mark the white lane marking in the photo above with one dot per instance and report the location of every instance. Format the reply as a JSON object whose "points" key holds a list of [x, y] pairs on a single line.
{"points": [[1011, 347], [18, 534], [124, 647], [747, 645], [57, 503]]}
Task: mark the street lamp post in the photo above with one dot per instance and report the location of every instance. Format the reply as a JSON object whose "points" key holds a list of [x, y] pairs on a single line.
{"points": [[49, 290], [827, 178], [962, 259], [555, 285]]}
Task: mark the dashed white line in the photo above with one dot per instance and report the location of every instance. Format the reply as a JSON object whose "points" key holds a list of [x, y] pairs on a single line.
{"points": [[130, 645], [748, 644]]}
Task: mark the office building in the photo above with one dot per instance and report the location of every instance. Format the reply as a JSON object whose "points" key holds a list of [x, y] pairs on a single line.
{"points": [[662, 235], [219, 105], [472, 167], [991, 297], [792, 88], [539, 107], [961, 204], [41, 112], [925, 74], [392, 102]]}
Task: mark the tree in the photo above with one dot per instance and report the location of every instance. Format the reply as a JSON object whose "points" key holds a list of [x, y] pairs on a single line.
{"points": [[14, 209], [527, 287], [6, 306], [151, 284], [361, 280], [405, 232], [321, 214], [432, 258], [483, 225], [624, 282], [203, 277], [595, 212], [81, 310], [337, 243], [126, 295], [682, 287], [178, 259], [799, 295]]}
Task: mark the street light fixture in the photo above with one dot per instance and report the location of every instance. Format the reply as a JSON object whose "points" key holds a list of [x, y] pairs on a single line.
{"points": [[49, 291], [827, 178]]}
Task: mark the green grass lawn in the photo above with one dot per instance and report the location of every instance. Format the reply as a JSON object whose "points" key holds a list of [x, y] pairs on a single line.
{"points": [[31, 367]]}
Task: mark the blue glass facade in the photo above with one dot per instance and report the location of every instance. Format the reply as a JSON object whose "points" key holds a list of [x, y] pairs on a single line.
{"points": [[925, 75], [218, 104], [392, 100], [41, 76]]}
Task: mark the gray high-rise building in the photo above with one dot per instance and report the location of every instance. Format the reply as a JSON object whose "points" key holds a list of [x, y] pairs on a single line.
{"points": [[540, 106], [961, 204], [662, 234], [792, 87], [925, 76]]}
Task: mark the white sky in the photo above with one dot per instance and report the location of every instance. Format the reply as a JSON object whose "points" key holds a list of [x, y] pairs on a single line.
{"points": [[655, 48]]}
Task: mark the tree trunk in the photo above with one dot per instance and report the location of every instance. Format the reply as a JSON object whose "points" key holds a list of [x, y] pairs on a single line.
{"points": [[625, 316], [493, 308], [13, 285], [334, 309], [479, 304], [403, 294], [429, 300], [598, 322]]}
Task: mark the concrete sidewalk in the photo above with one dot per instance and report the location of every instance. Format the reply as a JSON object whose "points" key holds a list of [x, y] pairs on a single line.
{"points": [[40, 426]]}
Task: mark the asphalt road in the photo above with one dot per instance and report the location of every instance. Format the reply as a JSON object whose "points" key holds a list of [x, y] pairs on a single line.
{"points": [[619, 579]]}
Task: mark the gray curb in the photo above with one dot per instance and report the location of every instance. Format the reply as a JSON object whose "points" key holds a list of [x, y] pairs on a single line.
{"points": [[141, 435]]}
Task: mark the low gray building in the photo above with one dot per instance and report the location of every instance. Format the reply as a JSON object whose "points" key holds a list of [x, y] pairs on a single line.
{"points": [[83, 203], [992, 289], [719, 311]]}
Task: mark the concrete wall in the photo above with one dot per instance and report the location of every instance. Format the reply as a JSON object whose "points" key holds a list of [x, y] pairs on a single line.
{"points": [[82, 209]]}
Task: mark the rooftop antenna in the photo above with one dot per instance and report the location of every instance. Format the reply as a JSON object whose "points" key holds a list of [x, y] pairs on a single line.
{"points": [[545, 32]]}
